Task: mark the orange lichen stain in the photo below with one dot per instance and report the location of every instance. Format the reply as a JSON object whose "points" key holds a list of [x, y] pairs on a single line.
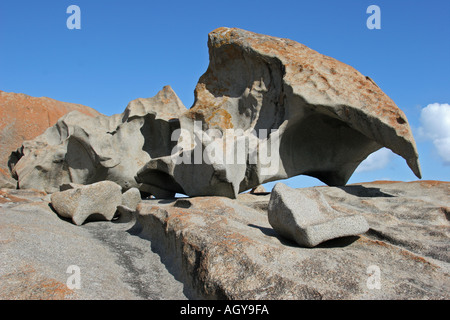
{"points": [[412, 256], [271, 46], [4, 172], [361, 91], [431, 183], [28, 284], [220, 118], [210, 109], [232, 242], [376, 182], [237, 237], [295, 54], [405, 253], [423, 183], [339, 208], [222, 36], [5, 197], [212, 204], [374, 242], [177, 215]]}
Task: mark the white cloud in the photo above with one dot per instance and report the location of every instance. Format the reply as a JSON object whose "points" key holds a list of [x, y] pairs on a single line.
{"points": [[435, 126], [375, 161]]}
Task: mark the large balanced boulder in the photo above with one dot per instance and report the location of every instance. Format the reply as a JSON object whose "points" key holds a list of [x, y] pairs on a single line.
{"points": [[97, 201], [269, 108], [304, 216], [266, 109], [22, 118], [83, 150]]}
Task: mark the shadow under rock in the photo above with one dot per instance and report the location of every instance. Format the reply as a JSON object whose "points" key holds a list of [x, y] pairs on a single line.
{"points": [[272, 233], [338, 242], [333, 243], [361, 191], [59, 216]]}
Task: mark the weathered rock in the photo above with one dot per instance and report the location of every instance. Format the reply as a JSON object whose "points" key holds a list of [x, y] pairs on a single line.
{"points": [[226, 249], [14, 196], [215, 247], [305, 217], [131, 198], [98, 201], [321, 118], [84, 150], [23, 117], [258, 189], [6, 181], [37, 248], [68, 186]]}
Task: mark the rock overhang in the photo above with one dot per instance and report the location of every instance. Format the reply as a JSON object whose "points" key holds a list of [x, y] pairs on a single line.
{"points": [[258, 82], [321, 117]]}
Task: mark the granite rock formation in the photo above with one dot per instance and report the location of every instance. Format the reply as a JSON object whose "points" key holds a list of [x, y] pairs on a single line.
{"points": [[83, 150], [22, 118], [223, 248], [266, 109], [295, 110], [37, 247], [216, 247], [281, 101]]}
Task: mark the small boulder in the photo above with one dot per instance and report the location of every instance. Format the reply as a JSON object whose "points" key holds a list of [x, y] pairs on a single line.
{"points": [[79, 203], [304, 216], [131, 198]]}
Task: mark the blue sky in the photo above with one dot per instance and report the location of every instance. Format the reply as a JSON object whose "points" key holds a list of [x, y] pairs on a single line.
{"points": [[130, 49]]}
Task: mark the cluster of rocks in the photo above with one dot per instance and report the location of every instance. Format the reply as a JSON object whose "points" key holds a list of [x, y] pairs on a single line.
{"points": [[298, 215], [324, 118], [221, 248], [82, 149], [266, 109]]}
